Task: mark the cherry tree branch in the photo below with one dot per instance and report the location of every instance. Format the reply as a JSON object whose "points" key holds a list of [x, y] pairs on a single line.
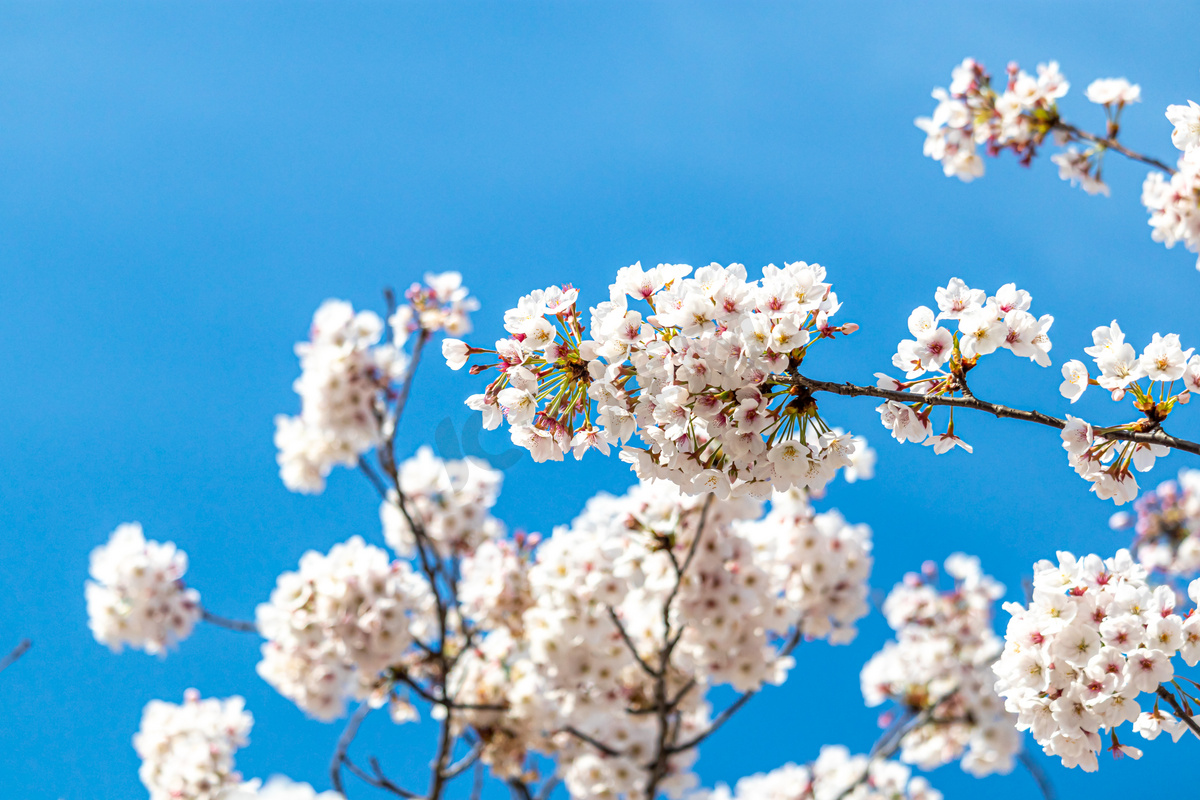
{"points": [[18, 651], [1110, 143], [1179, 712], [241, 626], [1038, 774], [1152, 435], [343, 746]]}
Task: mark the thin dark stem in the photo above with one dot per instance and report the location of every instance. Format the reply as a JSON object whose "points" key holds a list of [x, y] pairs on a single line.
{"points": [[374, 478], [1154, 436], [629, 643], [15, 653], [464, 764], [548, 788], [1179, 712], [343, 746], [519, 790], [406, 386], [1037, 773], [1112, 144], [477, 782], [241, 626], [583, 737]]}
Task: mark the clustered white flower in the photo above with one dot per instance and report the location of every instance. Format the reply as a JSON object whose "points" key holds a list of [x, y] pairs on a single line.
{"points": [[1083, 168], [451, 500], [1108, 463], [695, 377], [1094, 637], [1166, 525], [835, 775], [592, 618], [345, 376], [1174, 201], [332, 627], [187, 750], [349, 374], [936, 360], [972, 113], [939, 669], [137, 596]]}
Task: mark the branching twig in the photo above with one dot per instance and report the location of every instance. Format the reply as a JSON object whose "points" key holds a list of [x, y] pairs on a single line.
{"points": [[629, 643], [1112, 144], [583, 737], [1179, 712], [464, 764], [15, 653], [1153, 436], [241, 626], [343, 746]]}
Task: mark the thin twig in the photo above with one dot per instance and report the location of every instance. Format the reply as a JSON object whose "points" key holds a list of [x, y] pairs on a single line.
{"points": [[464, 764], [15, 653], [1153, 436], [583, 737], [343, 746], [548, 787], [1179, 712], [1037, 773], [241, 626], [612, 614], [1112, 144]]}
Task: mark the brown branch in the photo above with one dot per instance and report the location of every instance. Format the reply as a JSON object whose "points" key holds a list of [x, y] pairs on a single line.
{"points": [[1154, 436], [1179, 712], [18, 651], [612, 614], [1111, 143], [241, 626], [1037, 773], [464, 764], [343, 746], [596, 743]]}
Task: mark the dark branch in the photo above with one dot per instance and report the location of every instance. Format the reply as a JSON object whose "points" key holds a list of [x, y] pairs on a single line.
{"points": [[343, 746], [1154, 436], [15, 653], [1038, 774], [241, 626], [1179, 712], [1112, 144], [583, 737]]}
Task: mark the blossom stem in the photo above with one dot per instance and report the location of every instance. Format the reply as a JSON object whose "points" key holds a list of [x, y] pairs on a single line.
{"points": [[241, 626], [1179, 712], [1154, 436], [15, 653], [1038, 774], [1111, 143]]}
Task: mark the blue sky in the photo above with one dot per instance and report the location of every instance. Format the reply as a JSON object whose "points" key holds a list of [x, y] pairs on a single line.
{"points": [[182, 184]]}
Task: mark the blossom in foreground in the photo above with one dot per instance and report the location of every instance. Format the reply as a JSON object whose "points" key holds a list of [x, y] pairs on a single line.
{"points": [[187, 750], [835, 775], [940, 665], [1174, 201], [1094, 638], [137, 596], [349, 376], [694, 366], [936, 360], [332, 627], [1107, 463]]}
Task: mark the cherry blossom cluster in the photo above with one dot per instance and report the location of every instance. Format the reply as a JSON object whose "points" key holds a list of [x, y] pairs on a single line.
{"points": [[441, 303], [973, 113], [1166, 524], [187, 750], [332, 627], [937, 360], [349, 375], [835, 775], [450, 500], [1174, 200], [1094, 637], [137, 596], [1106, 463], [693, 377], [599, 601], [939, 666]]}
